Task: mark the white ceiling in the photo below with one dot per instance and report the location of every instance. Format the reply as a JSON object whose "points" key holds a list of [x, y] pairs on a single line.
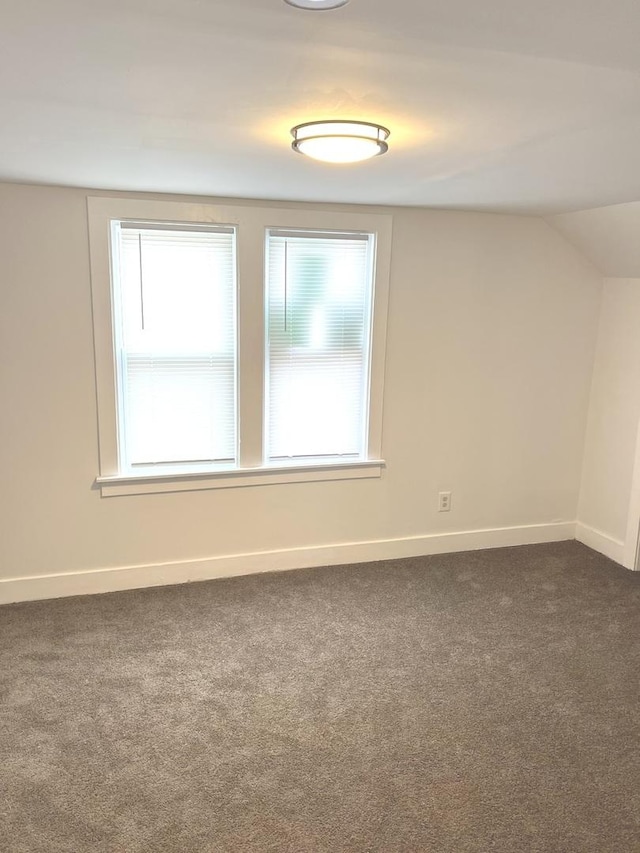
{"points": [[499, 104]]}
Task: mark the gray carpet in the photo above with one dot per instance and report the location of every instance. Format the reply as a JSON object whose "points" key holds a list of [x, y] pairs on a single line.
{"points": [[470, 702]]}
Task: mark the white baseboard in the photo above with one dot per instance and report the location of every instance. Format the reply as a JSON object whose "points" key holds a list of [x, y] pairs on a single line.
{"points": [[601, 542], [159, 574]]}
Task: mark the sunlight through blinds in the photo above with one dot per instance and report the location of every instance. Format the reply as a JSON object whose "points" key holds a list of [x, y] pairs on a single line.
{"points": [[176, 345], [318, 342]]}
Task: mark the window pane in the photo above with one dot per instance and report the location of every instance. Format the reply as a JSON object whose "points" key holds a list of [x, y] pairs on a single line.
{"points": [[177, 346], [319, 307]]}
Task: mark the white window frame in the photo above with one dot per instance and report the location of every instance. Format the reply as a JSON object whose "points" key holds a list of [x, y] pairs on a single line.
{"points": [[251, 223]]}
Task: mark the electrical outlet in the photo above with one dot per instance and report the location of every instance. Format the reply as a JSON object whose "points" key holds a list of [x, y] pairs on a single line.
{"points": [[444, 501]]}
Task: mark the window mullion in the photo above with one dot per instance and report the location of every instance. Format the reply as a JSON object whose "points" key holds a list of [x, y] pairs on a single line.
{"points": [[251, 241]]}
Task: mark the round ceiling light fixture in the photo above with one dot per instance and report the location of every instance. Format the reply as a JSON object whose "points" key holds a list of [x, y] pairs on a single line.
{"points": [[317, 5], [338, 141]]}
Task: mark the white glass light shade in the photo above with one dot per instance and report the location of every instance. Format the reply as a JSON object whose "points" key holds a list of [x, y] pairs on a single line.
{"points": [[317, 4], [337, 141]]}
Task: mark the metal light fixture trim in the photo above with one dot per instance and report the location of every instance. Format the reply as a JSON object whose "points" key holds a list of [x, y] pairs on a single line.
{"points": [[340, 140]]}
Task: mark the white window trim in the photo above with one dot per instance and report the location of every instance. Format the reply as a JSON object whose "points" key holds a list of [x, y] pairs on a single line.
{"points": [[252, 223]]}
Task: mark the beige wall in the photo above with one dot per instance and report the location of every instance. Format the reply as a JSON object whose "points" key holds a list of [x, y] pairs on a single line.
{"points": [[491, 335], [614, 414]]}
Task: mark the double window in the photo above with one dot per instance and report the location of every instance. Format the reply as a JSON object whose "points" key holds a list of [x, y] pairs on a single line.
{"points": [[236, 346]]}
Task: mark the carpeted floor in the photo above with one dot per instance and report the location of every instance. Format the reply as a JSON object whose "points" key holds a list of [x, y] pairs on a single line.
{"points": [[485, 701]]}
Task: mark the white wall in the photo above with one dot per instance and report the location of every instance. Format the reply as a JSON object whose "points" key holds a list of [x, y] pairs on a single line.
{"points": [[609, 506], [614, 415], [492, 331]]}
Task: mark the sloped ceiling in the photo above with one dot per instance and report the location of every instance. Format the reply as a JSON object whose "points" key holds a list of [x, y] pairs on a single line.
{"points": [[499, 105], [608, 236]]}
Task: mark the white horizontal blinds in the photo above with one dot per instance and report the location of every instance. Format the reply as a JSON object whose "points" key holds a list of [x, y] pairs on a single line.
{"points": [[177, 345], [318, 342]]}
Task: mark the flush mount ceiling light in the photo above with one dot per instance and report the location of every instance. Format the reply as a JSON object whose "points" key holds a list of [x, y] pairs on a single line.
{"points": [[338, 141], [317, 5]]}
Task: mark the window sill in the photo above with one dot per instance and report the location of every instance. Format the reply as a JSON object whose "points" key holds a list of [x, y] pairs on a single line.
{"points": [[143, 484]]}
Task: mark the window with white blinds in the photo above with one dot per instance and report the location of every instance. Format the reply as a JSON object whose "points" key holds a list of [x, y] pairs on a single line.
{"points": [[319, 307], [175, 344], [236, 345]]}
